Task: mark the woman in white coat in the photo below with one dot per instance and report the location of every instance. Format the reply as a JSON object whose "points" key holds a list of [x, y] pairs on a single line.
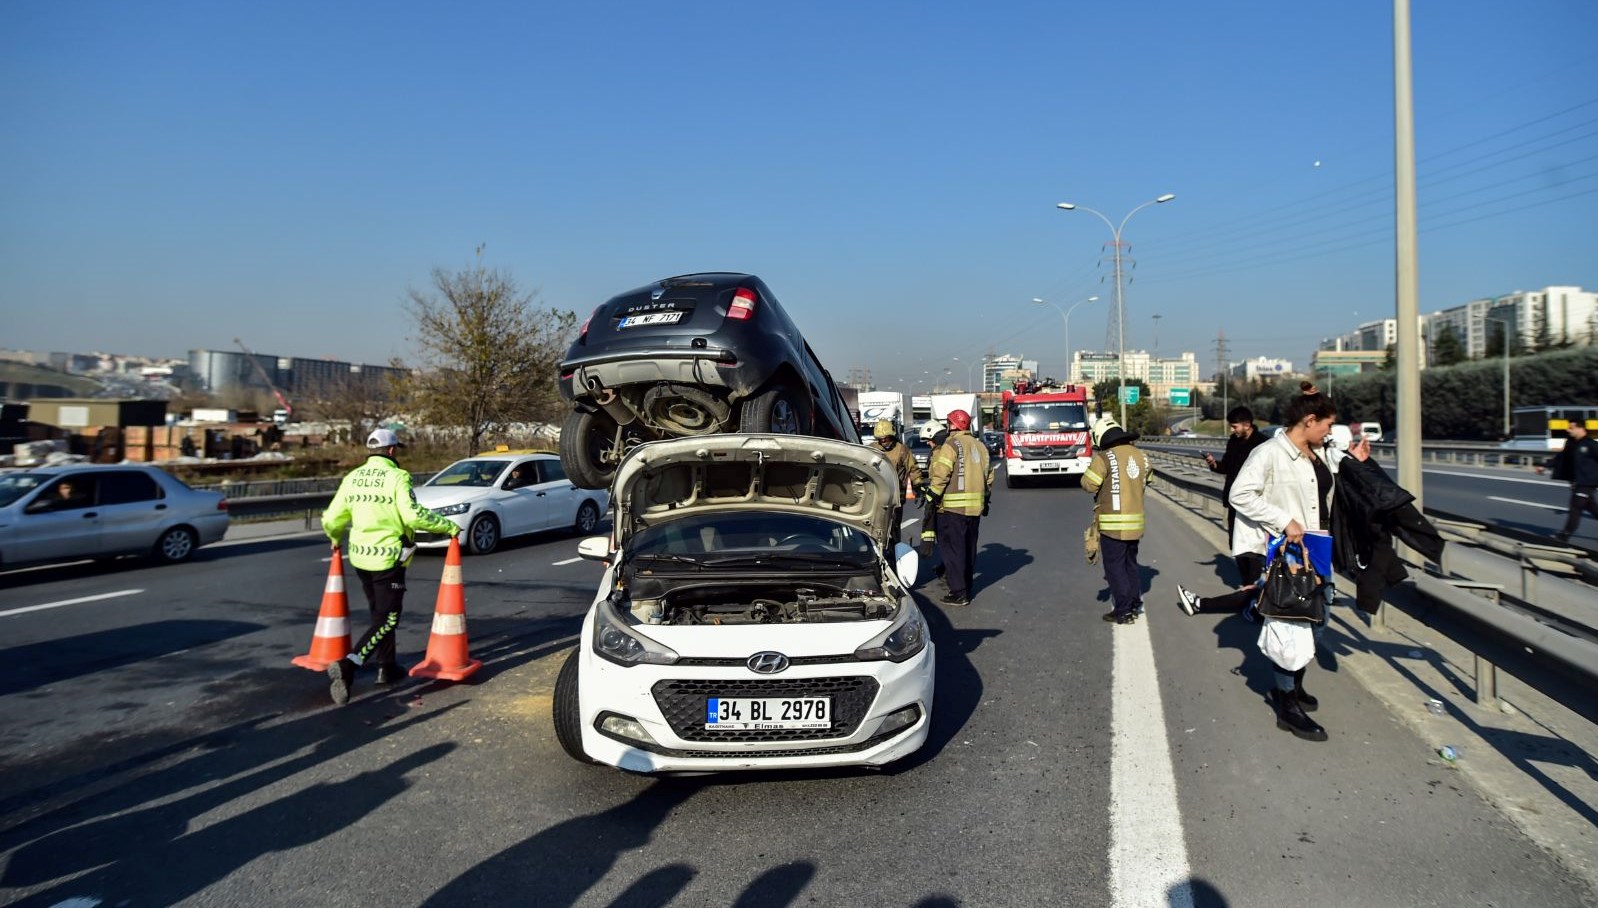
{"points": [[1285, 489]]}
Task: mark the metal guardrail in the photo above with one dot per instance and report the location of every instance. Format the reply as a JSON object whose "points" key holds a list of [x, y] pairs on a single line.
{"points": [[280, 487], [1572, 656], [1458, 453]]}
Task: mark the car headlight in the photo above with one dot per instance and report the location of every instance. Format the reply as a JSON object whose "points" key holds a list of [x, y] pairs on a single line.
{"points": [[451, 510], [615, 642], [905, 637]]}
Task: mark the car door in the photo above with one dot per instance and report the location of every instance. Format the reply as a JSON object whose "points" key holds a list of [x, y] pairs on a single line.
{"points": [[517, 500], [133, 511], [56, 526], [556, 496]]}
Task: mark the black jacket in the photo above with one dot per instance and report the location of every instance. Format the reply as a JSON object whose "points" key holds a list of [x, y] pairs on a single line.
{"points": [[1231, 462], [1368, 511], [1577, 464]]}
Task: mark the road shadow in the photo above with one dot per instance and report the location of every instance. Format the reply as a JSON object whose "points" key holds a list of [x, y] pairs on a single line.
{"points": [[957, 685], [130, 838], [35, 665], [562, 862], [1529, 752], [996, 561], [1195, 892]]}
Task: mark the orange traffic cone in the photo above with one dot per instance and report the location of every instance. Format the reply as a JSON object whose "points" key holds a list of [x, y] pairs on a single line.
{"points": [[909, 490], [331, 640], [447, 658]]}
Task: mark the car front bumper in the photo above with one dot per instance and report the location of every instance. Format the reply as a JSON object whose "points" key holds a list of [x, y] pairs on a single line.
{"points": [[439, 540], [608, 689]]}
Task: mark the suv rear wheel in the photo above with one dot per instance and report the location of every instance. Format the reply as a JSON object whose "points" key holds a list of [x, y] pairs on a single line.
{"points": [[780, 410], [587, 443]]}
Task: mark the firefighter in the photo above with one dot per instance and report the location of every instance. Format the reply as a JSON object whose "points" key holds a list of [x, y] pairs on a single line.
{"points": [[1116, 477], [959, 492], [898, 454], [376, 504]]}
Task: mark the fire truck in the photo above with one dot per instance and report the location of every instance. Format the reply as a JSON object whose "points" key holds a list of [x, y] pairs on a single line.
{"points": [[1045, 432]]}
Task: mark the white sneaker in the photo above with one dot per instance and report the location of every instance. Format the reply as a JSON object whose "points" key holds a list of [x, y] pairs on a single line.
{"points": [[1188, 601]]}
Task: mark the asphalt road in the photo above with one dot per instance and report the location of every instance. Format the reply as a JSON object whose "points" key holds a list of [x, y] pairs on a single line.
{"points": [[158, 748]]}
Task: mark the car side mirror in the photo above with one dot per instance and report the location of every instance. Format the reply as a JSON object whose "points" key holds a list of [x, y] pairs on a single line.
{"points": [[39, 506], [594, 548], [906, 563]]}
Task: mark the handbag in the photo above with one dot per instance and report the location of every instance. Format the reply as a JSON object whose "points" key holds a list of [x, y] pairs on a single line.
{"points": [[1293, 591]]}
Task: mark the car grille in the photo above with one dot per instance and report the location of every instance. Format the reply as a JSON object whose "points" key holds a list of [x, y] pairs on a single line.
{"points": [[431, 537], [1048, 452], [683, 705]]}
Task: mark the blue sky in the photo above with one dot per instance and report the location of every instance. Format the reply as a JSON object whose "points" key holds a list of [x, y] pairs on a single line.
{"points": [[178, 174]]}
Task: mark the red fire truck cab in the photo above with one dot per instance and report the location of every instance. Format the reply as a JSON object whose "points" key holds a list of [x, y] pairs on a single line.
{"points": [[1045, 432]]}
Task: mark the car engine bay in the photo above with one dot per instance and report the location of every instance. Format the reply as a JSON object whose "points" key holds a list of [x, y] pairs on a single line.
{"points": [[760, 603]]}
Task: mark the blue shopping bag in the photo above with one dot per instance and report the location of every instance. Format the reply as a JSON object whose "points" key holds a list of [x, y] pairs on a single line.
{"points": [[1317, 542]]}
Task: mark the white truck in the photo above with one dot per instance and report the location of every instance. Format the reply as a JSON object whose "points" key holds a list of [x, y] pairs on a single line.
{"points": [[875, 405], [944, 404]]}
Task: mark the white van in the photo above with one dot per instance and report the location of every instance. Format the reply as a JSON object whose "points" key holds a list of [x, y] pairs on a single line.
{"points": [[1371, 430]]}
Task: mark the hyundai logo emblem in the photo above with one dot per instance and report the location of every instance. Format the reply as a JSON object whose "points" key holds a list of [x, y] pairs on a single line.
{"points": [[768, 663]]}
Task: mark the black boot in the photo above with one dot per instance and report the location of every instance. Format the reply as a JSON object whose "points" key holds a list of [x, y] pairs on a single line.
{"points": [[1291, 717], [342, 676], [1305, 698], [390, 674]]}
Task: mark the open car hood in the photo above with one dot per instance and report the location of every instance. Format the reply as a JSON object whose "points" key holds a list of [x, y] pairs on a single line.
{"points": [[838, 480]]}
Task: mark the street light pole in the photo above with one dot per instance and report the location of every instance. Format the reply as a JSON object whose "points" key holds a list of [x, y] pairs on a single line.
{"points": [[1505, 323], [1065, 315], [1120, 306]]}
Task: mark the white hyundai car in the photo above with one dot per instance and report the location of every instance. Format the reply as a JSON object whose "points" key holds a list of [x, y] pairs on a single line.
{"points": [[494, 496], [750, 616]]}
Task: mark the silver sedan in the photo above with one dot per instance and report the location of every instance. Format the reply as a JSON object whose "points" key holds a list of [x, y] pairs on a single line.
{"points": [[62, 513]]}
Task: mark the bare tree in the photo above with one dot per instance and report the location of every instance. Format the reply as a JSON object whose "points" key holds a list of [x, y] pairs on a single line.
{"points": [[486, 355]]}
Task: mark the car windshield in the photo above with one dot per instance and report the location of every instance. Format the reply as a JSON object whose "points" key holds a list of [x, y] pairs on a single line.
{"points": [[723, 540], [1053, 417], [471, 473], [16, 485]]}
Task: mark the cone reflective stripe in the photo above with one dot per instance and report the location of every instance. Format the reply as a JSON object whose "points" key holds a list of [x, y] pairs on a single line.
{"points": [[447, 658], [909, 490], [330, 641]]}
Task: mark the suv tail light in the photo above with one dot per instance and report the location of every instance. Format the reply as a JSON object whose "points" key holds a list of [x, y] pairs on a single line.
{"points": [[582, 333], [743, 305]]}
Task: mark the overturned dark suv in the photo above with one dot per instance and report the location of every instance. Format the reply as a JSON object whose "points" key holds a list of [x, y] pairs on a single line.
{"points": [[690, 355]]}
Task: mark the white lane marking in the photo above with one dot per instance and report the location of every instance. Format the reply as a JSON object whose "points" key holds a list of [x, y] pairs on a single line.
{"points": [[1148, 854], [292, 534], [905, 523], [78, 601], [1535, 482], [567, 561], [1531, 504]]}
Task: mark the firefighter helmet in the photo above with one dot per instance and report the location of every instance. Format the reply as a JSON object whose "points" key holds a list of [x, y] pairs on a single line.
{"points": [[959, 420], [1101, 425], [883, 429]]}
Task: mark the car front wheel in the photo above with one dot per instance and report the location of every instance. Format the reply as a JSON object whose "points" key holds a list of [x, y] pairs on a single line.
{"points": [[176, 545], [780, 410], [483, 537], [568, 719], [587, 518]]}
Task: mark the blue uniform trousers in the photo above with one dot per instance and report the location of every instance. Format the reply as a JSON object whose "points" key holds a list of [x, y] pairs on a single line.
{"points": [[1121, 571]]}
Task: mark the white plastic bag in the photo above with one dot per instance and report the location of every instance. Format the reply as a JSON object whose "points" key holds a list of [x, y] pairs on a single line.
{"points": [[1289, 644]]}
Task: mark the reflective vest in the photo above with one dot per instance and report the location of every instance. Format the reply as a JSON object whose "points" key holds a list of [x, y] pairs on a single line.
{"points": [[1117, 476], [904, 463], [960, 474], [376, 503]]}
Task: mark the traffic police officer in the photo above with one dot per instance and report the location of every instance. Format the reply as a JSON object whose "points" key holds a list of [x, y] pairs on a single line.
{"points": [[376, 504], [959, 489], [1117, 476], [898, 454]]}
